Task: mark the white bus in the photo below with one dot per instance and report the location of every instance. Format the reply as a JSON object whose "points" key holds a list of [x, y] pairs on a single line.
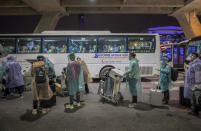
{"points": [[100, 49]]}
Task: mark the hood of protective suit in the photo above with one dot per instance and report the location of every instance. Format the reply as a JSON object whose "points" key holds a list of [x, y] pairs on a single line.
{"points": [[135, 59], [14, 76], [12, 58]]}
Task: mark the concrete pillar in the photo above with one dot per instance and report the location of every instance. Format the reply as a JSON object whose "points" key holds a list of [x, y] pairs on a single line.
{"points": [[189, 23], [48, 22]]}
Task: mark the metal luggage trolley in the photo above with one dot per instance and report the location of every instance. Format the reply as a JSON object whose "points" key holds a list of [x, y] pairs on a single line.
{"points": [[109, 87], [196, 97]]}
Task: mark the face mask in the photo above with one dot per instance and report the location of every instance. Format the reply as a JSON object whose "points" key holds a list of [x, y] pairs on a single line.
{"points": [[189, 58]]}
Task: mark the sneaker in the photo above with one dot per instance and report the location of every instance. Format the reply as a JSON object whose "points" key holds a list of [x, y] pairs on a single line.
{"points": [[132, 105], [34, 112], [48, 109], [78, 104], [71, 107], [3, 97], [12, 94], [44, 111], [165, 102], [67, 106], [75, 103], [193, 113]]}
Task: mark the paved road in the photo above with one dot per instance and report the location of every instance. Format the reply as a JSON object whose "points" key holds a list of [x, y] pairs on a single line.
{"points": [[15, 115]]}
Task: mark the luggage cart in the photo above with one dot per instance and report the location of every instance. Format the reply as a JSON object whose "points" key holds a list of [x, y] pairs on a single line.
{"points": [[109, 88], [196, 97]]}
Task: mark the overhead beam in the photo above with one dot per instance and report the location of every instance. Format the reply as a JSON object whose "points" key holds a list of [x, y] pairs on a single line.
{"points": [[125, 3], [48, 22], [12, 3], [11, 6], [193, 5], [45, 5], [17, 11], [117, 11]]}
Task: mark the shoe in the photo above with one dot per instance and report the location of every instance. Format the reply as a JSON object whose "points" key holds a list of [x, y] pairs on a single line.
{"points": [[3, 97], [44, 111], [12, 94], [48, 109], [132, 105], [71, 107], [75, 103], [78, 104], [34, 112], [67, 106], [194, 113], [165, 102]]}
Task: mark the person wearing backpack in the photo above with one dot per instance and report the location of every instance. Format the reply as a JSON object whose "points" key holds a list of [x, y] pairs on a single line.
{"points": [[74, 81], [40, 86], [165, 81], [192, 80]]}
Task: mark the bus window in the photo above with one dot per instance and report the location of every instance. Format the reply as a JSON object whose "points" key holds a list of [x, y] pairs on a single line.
{"points": [[54, 45], [111, 44], [82, 44], [29, 45], [8, 44], [139, 44]]}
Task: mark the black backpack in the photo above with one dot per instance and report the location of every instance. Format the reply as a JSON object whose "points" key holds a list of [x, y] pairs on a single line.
{"points": [[40, 76], [174, 74]]}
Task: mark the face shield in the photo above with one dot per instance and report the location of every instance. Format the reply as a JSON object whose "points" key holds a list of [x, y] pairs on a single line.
{"points": [[164, 60], [188, 58], [71, 57]]}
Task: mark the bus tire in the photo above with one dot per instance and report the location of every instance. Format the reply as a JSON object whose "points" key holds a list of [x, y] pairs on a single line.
{"points": [[104, 71]]}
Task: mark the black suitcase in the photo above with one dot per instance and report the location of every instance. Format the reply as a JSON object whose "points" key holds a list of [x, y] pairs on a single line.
{"points": [[183, 101]]}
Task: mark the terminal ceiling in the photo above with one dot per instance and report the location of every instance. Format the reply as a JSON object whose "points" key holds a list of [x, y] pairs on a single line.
{"points": [[66, 7]]}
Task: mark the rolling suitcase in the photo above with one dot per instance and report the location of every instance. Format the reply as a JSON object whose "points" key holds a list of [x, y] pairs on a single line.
{"points": [[183, 101], [156, 97]]}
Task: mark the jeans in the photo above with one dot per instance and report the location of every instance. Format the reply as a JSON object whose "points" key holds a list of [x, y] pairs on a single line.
{"points": [[77, 98], [134, 99], [86, 88], [42, 104], [19, 89], [6, 91]]}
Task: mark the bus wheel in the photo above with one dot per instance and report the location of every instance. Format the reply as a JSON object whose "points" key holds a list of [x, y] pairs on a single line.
{"points": [[104, 71]]}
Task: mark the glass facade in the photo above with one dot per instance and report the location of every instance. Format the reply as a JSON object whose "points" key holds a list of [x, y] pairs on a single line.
{"points": [[194, 46], [8, 44], [175, 55], [29, 45], [54, 45]]}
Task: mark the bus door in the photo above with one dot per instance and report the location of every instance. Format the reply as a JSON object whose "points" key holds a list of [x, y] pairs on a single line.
{"points": [[178, 56]]}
